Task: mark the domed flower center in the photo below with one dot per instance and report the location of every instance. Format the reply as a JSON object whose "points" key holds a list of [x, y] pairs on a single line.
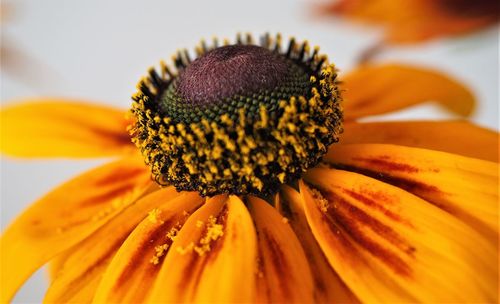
{"points": [[239, 119], [232, 70]]}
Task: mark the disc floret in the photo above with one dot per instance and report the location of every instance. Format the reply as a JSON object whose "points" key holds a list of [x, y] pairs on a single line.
{"points": [[239, 119]]}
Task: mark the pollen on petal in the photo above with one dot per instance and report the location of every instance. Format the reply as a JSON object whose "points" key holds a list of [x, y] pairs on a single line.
{"points": [[322, 202], [153, 215], [172, 233], [213, 232], [160, 251]]}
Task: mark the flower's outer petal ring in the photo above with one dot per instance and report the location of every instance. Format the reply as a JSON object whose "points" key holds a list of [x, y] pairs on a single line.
{"points": [[213, 258], [328, 287], [390, 246], [283, 273], [379, 89], [464, 187], [90, 258], [458, 137], [133, 270], [63, 128], [66, 216]]}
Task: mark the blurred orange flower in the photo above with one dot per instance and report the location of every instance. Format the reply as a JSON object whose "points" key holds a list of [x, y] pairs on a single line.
{"points": [[412, 21]]}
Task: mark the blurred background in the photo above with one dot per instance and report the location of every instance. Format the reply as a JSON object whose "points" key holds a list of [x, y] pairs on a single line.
{"points": [[97, 50]]}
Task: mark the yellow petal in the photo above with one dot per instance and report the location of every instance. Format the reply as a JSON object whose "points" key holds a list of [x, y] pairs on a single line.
{"points": [[63, 128], [379, 89], [90, 258], [464, 187], [390, 246], [283, 273], [66, 216], [213, 259], [328, 287], [459, 137], [131, 274]]}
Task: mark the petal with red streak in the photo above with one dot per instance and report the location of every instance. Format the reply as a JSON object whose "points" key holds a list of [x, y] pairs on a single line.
{"points": [[284, 275], [133, 270], [90, 258], [66, 216], [213, 257], [388, 245], [464, 187], [458, 137], [328, 287]]}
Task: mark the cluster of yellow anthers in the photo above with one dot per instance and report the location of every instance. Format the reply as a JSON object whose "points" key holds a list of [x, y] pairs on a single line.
{"points": [[240, 155]]}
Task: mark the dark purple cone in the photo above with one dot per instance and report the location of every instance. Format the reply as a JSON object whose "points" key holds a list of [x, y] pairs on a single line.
{"points": [[230, 70]]}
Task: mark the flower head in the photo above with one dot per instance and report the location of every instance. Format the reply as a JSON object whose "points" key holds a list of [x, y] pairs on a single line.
{"points": [[395, 212], [239, 119]]}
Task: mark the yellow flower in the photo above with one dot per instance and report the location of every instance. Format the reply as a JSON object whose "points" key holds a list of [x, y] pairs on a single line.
{"points": [[394, 212], [413, 21]]}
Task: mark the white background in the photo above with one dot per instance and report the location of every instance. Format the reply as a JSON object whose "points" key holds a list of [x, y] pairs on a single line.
{"points": [[97, 50]]}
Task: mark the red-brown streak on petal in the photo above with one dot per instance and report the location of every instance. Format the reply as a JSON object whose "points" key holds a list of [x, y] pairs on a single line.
{"points": [[197, 263], [129, 176], [123, 225], [278, 257], [349, 218], [385, 162], [409, 185], [106, 196], [261, 270], [108, 255], [101, 262], [136, 264], [377, 200], [320, 284], [119, 174], [146, 247]]}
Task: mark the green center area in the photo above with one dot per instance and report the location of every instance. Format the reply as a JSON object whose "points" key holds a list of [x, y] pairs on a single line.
{"points": [[230, 78]]}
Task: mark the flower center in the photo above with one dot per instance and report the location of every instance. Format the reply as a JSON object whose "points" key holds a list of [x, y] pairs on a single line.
{"points": [[239, 119], [229, 71]]}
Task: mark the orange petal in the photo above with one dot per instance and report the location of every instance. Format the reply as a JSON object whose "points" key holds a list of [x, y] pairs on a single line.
{"points": [[131, 274], [390, 246], [328, 287], [283, 274], [90, 258], [462, 186], [378, 89], [66, 216], [459, 137], [63, 128], [87, 287], [213, 258]]}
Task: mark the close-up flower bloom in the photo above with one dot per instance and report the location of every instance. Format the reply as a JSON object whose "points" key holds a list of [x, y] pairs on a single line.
{"points": [[246, 175], [414, 21]]}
